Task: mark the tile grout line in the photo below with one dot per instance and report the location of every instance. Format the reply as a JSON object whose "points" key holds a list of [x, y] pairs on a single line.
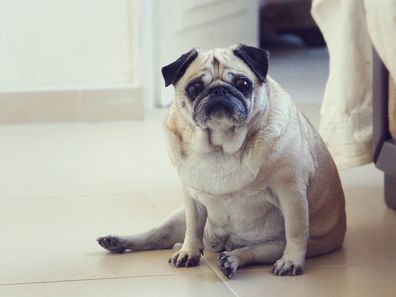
{"points": [[72, 196], [94, 279], [155, 205]]}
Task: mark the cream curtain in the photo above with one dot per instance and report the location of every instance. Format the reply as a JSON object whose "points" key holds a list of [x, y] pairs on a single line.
{"points": [[351, 28]]}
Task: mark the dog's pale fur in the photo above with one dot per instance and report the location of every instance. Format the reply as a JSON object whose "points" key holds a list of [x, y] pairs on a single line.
{"points": [[266, 191]]}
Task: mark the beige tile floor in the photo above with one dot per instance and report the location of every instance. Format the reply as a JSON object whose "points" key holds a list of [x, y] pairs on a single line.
{"points": [[62, 185]]}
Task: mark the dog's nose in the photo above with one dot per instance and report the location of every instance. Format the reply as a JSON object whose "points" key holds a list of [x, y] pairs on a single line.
{"points": [[220, 91]]}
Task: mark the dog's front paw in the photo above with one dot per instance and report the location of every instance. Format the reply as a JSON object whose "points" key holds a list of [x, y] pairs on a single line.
{"points": [[227, 264], [185, 258], [111, 243], [286, 266]]}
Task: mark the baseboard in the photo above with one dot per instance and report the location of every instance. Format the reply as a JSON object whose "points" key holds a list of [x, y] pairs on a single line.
{"points": [[90, 104]]}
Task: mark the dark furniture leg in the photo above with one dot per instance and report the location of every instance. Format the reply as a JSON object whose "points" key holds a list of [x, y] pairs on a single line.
{"points": [[390, 191], [384, 145]]}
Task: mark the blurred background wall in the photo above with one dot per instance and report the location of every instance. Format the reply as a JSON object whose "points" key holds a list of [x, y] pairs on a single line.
{"points": [[65, 43], [69, 60]]}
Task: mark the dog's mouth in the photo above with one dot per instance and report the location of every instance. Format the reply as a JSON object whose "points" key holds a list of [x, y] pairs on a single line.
{"points": [[223, 107], [220, 107]]}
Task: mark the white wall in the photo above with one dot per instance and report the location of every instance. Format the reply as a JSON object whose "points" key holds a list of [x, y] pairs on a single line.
{"points": [[70, 60], [58, 43]]}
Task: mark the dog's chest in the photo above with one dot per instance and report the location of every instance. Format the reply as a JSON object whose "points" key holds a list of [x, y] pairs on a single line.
{"points": [[216, 173]]}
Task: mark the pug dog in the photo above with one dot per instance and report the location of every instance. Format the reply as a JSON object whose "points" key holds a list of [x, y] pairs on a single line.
{"points": [[259, 184]]}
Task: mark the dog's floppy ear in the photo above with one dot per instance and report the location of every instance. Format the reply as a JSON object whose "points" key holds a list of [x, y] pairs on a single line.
{"points": [[174, 71], [255, 58]]}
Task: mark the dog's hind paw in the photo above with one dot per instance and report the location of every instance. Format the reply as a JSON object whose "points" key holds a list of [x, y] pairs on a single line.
{"points": [[112, 244]]}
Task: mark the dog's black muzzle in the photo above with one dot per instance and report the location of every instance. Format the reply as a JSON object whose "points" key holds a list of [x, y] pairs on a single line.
{"points": [[220, 101]]}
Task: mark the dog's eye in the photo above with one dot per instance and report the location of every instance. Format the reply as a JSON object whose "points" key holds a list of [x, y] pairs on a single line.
{"points": [[194, 88], [242, 84]]}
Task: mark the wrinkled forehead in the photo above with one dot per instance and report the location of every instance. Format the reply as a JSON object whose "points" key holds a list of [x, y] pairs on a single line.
{"points": [[219, 63]]}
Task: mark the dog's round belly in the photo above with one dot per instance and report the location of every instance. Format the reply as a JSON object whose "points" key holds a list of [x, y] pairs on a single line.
{"points": [[243, 225]]}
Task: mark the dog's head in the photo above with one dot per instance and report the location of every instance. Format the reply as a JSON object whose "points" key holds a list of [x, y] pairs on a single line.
{"points": [[220, 88]]}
